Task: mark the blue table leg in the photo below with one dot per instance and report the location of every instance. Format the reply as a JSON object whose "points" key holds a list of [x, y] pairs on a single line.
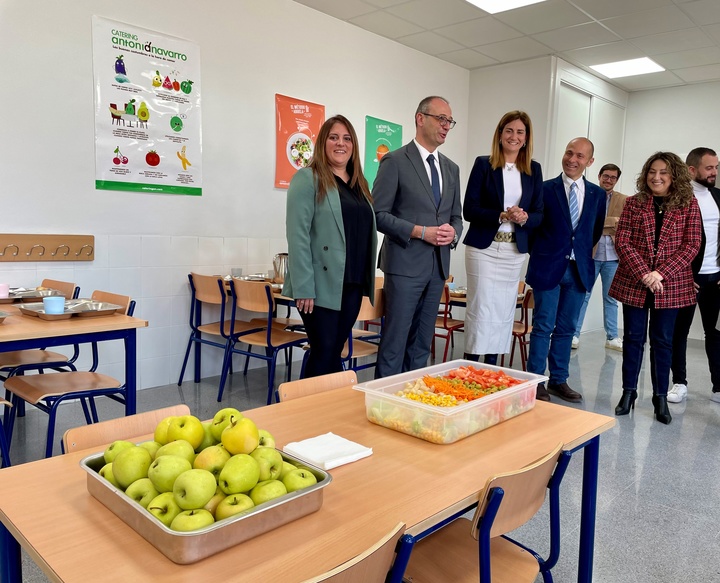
{"points": [[588, 510], [131, 372], [10, 558]]}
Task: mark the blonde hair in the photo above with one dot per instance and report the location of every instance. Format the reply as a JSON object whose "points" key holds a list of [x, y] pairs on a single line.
{"points": [[524, 158]]}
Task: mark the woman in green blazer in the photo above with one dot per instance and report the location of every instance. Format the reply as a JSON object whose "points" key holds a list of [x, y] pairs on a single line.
{"points": [[332, 243]]}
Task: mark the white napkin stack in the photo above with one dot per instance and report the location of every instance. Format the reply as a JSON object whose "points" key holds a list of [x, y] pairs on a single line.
{"points": [[327, 451]]}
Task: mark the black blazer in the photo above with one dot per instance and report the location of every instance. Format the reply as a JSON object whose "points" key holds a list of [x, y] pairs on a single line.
{"points": [[697, 262], [485, 200]]}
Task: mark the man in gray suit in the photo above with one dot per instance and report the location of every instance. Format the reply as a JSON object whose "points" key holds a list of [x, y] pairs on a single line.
{"points": [[417, 207]]}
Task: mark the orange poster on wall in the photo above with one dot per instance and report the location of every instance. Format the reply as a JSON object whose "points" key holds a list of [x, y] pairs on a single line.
{"points": [[298, 124]]}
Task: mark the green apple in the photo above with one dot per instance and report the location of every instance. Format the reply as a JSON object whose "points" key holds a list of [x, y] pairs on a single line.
{"points": [[187, 427], [180, 448], [115, 448], [212, 459], [221, 420], [142, 491], [240, 436], [161, 430], [266, 439], [270, 461], [131, 464], [212, 504], [240, 473], [190, 520], [194, 488], [165, 469], [107, 473], [267, 490], [164, 508], [299, 479], [232, 505], [208, 438], [151, 446], [287, 468]]}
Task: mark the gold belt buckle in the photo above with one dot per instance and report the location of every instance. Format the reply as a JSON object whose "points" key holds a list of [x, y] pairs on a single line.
{"points": [[504, 237]]}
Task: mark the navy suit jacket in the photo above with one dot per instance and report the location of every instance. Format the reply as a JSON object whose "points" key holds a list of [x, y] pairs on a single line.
{"points": [[554, 239], [485, 200]]}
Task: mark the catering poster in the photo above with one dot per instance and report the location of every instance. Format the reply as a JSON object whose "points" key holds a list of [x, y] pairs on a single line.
{"points": [[298, 124], [147, 110], [381, 137]]}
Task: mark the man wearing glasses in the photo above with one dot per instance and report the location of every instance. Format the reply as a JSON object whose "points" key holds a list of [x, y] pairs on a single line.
{"points": [[417, 207], [606, 260]]}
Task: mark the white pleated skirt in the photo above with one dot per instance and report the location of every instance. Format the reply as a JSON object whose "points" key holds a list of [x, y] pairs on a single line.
{"points": [[492, 281]]}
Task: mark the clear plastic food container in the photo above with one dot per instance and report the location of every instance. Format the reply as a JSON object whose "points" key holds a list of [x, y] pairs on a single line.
{"points": [[445, 425]]}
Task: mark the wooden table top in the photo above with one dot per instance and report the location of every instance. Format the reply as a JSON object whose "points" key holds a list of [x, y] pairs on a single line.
{"points": [[73, 537], [19, 327]]}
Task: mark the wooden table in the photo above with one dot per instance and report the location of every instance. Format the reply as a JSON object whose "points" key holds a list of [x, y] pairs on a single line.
{"points": [[46, 507]]}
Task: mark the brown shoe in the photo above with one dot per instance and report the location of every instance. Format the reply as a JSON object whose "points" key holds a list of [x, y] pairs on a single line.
{"points": [[542, 394], [563, 391]]}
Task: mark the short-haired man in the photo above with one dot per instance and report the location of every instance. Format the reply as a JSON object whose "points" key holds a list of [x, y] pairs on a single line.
{"points": [[561, 268], [703, 166], [417, 207], [606, 260]]}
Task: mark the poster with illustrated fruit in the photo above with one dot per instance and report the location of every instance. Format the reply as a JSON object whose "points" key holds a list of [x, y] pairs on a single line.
{"points": [[297, 127], [148, 126], [381, 137]]}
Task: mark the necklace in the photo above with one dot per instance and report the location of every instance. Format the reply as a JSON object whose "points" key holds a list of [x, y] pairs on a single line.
{"points": [[658, 206], [509, 166]]}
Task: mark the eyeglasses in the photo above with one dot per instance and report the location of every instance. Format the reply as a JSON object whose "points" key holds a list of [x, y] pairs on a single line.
{"points": [[442, 120], [609, 178]]}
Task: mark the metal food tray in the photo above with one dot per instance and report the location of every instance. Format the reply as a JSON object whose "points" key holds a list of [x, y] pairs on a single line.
{"points": [[28, 295], [83, 308], [189, 547]]}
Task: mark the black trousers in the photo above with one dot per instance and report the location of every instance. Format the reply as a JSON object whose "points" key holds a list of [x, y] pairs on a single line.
{"points": [[708, 301], [328, 330]]}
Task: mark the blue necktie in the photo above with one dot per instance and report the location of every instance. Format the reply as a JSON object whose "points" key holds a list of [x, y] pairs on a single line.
{"points": [[574, 209], [435, 179]]}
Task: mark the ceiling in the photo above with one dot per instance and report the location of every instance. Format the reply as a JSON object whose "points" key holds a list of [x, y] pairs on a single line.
{"points": [[682, 36]]}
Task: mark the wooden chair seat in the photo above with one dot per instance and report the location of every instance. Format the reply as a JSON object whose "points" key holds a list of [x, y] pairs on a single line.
{"points": [[239, 326], [360, 349], [509, 562], [34, 388], [277, 337], [450, 324], [25, 357]]}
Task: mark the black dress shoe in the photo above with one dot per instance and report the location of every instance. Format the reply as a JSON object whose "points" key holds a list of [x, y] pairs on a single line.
{"points": [[563, 391], [541, 394]]}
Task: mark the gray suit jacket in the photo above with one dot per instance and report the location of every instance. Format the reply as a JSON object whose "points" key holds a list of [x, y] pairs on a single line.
{"points": [[403, 198]]}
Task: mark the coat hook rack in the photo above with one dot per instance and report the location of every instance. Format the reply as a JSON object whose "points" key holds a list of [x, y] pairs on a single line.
{"points": [[17, 250], [88, 247], [37, 246], [33, 247], [67, 250]]}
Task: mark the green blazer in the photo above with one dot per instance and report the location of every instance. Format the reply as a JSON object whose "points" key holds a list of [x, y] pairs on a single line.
{"points": [[316, 245]]}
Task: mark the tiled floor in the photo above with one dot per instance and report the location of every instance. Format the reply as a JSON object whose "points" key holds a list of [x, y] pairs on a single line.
{"points": [[658, 517]]}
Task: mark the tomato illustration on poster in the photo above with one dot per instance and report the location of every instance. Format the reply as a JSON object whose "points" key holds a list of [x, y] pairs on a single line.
{"points": [[148, 126], [298, 124]]}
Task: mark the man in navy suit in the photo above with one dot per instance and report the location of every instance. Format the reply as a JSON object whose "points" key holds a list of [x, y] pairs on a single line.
{"points": [[561, 267]]}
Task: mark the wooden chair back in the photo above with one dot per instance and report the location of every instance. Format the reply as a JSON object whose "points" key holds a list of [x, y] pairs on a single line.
{"points": [[368, 311], [253, 296], [65, 287], [525, 491], [528, 305], [130, 427], [111, 298], [304, 387], [208, 288], [371, 566]]}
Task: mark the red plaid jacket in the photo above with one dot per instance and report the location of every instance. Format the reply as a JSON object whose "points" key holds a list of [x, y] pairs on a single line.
{"points": [[678, 244]]}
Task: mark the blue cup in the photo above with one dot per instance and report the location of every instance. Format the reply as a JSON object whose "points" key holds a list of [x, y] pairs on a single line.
{"points": [[54, 304]]}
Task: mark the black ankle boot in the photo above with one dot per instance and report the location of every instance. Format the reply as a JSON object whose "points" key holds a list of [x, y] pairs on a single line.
{"points": [[662, 412], [627, 402], [473, 357]]}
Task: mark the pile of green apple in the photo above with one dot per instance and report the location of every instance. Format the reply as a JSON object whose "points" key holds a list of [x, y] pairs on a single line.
{"points": [[195, 473]]}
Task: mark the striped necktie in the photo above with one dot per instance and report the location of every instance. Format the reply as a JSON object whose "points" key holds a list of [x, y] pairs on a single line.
{"points": [[574, 209]]}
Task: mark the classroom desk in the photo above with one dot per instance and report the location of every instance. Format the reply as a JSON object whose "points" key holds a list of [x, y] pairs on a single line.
{"points": [[73, 537]]}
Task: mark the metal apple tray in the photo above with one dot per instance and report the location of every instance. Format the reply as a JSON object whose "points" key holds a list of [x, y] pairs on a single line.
{"points": [[444, 425], [81, 307], [189, 547]]}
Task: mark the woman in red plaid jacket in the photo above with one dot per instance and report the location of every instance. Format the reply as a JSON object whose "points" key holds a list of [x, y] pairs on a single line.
{"points": [[658, 235]]}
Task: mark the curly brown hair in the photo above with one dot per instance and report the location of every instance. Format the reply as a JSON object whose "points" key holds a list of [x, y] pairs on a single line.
{"points": [[680, 193]]}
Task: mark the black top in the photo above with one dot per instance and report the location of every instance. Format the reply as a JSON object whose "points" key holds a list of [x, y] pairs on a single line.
{"points": [[358, 222], [658, 203]]}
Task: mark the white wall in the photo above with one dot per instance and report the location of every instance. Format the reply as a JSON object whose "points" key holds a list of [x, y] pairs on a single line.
{"points": [[146, 244]]}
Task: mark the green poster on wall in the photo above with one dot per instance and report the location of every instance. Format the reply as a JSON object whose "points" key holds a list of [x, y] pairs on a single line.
{"points": [[381, 137]]}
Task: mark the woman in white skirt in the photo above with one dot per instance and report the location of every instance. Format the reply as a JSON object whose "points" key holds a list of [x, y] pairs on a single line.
{"points": [[503, 204]]}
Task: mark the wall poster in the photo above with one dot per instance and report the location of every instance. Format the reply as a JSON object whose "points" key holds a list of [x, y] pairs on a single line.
{"points": [[298, 124], [148, 131], [381, 137]]}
